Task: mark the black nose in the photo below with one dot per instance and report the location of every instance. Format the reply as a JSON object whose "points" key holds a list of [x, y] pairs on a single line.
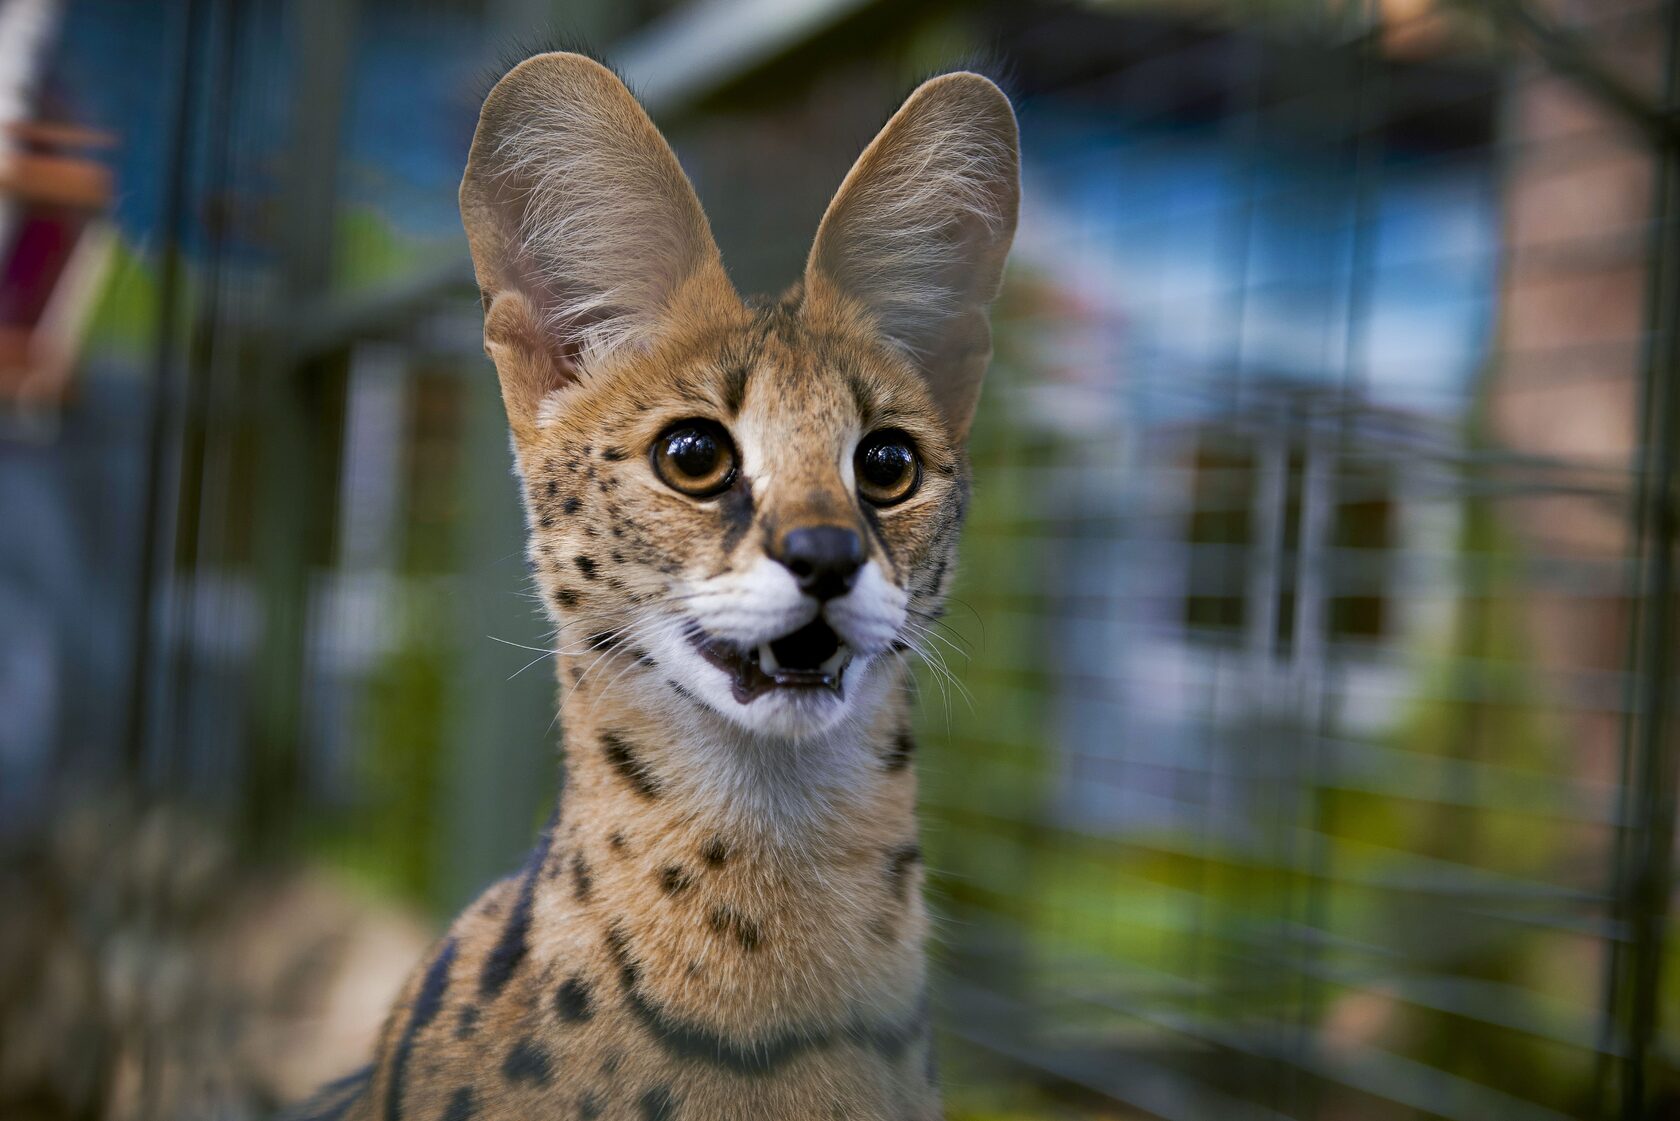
{"points": [[824, 559]]}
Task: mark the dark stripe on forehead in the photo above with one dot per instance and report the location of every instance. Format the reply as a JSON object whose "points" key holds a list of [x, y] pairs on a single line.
{"points": [[735, 386], [781, 318], [860, 394], [739, 367]]}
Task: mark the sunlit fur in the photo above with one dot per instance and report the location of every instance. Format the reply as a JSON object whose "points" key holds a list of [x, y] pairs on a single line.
{"points": [[725, 920]]}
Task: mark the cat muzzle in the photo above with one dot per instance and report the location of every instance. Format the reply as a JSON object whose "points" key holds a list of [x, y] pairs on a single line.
{"points": [[812, 657]]}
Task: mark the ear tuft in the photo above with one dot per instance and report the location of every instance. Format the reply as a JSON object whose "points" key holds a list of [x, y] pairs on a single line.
{"points": [[921, 226]]}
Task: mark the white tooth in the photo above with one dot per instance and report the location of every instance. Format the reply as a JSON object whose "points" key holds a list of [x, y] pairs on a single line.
{"points": [[767, 659], [836, 660]]}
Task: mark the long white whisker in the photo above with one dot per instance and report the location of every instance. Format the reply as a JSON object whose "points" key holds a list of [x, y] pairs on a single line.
{"points": [[520, 645], [642, 632], [539, 658], [937, 637]]}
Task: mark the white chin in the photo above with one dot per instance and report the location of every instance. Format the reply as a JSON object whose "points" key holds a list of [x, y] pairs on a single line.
{"points": [[783, 713]]}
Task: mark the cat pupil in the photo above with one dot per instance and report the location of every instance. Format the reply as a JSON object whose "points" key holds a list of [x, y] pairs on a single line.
{"points": [[885, 464], [694, 452]]}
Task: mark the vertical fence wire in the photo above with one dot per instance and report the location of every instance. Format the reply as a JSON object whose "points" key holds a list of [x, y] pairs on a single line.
{"points": [[1644, 877]]}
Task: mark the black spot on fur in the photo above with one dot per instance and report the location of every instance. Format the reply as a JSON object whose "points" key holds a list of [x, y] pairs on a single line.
{"points": [[583, 881], [728, 921], [427, 1002], [616, 841], [553, 488], [614, 455], [618, 946], [461, 1106], [546, 521], [589, 1107], [715, 851], [574, 1000], [570, 506], [466, 1022], [658, 1104], [674, 880], [898, 755], [899, 863], [565, 598], [736, 507], [527, 1064], [622, 757], [586, 565]]}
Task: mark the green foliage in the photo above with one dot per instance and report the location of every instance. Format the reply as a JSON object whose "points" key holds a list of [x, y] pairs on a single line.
{"points": [[386, 839], [368, 252], [123, 325]]}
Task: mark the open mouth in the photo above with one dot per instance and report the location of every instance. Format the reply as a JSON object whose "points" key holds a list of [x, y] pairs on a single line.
{"points": [[812, 657]]}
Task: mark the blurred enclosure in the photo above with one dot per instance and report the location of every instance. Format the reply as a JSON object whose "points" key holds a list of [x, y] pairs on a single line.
{"points": [[1318, 603]]}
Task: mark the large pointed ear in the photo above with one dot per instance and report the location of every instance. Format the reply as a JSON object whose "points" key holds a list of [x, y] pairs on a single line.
{"points": [[584, 230], [920, 228]]}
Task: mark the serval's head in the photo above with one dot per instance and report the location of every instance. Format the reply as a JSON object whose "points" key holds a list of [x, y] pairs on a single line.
{"points": [[754, 506]]}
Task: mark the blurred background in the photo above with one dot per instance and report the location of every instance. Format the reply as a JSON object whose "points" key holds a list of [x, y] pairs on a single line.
{"points": [[1317, 756]]}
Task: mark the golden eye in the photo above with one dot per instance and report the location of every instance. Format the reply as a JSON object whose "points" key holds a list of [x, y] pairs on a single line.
{"points": [[888, 468], [695, 457]]}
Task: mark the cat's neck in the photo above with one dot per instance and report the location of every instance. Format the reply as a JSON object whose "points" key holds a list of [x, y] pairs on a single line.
{"points": [[636, 750], [787, 870]]}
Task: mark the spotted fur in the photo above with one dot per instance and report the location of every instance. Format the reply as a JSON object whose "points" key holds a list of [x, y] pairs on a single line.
{"points": [[724, 920]]}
